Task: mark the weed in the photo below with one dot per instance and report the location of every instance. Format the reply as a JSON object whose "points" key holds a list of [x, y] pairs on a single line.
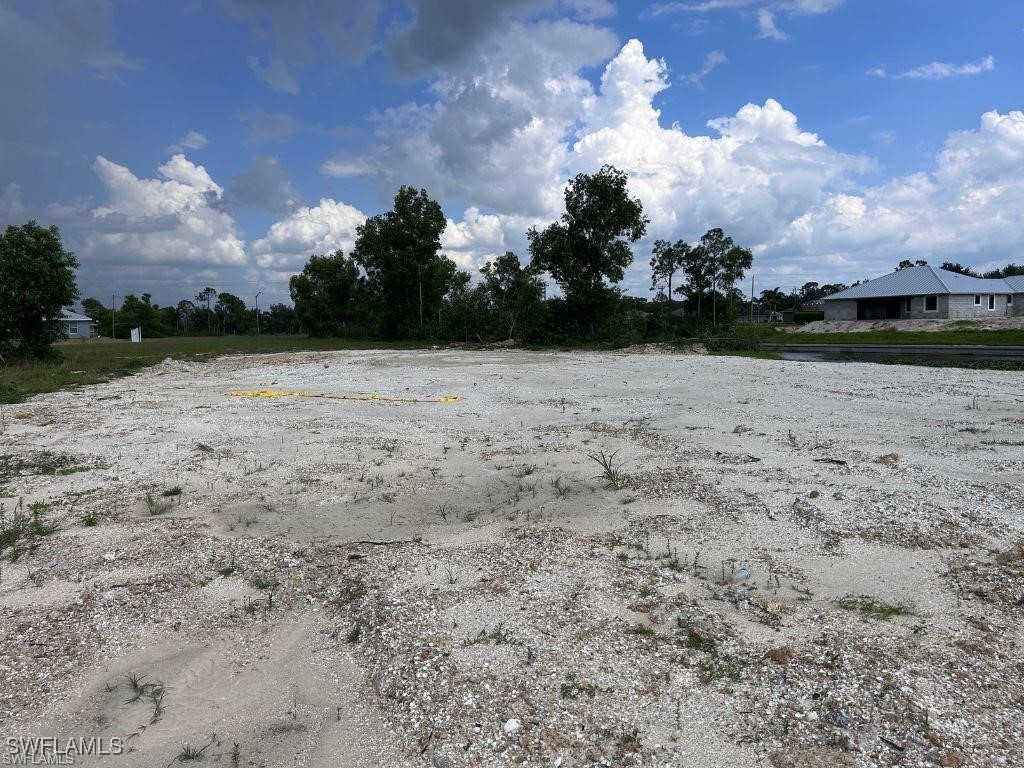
{"points": [[873, 608], [175, 491], [611, 471], [353, 634], [157, 505], [24, 525], [497, 636], [716, 668], [561, 489], [91, 519], [699, 641], [641, 630], [572, 689]]}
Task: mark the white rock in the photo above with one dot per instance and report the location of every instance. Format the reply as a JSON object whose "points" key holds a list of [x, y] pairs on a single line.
{"points": [[110, 557], [511, 726]]}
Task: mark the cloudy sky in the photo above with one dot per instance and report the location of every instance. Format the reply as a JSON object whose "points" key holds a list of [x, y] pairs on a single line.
{"points": [[221, 142]]}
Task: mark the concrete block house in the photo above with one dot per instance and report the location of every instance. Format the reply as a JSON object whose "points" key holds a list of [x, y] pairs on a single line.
{"points": [[928, 293]]}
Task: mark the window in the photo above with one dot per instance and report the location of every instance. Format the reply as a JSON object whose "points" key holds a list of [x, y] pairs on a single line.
{"points": [[977, 300], [908, 303], [931, 303], [1009, 299], [991, 301]]}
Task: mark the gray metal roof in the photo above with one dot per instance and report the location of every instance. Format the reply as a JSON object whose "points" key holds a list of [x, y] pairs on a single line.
{"points": [[73, 316], [1016, 283], [923, 281]]}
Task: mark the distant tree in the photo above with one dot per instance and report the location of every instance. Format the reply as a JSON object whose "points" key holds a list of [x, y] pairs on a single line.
{"points": [[699, 270], [666, 260], [280, 318], [186, 315], [37, 279], [231, 313], [728, 261], [1008, 271], [513, 291], [206, 296], [588, 250], [908, 263], [773, 298], [952, 266], [139, 312], [326, 295], [406, 275]]}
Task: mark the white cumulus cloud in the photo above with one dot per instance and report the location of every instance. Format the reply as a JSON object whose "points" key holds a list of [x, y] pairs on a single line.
{"points": [[319, 229], [171, 219]]}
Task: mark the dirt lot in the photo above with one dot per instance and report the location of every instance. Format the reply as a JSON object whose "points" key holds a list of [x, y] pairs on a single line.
{"points": [[788, 564]]}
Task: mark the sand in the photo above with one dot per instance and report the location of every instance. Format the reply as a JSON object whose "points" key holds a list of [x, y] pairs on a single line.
{"points": [[351, 582]]}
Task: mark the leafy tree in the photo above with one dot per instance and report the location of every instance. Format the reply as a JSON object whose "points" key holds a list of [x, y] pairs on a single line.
{"points": [[513, 291], [667, 259], [280, 318], [231, 312], [186, 315], [1008, 271], [700, 271], [207, 295], [139, 312], [954, 266], [908, 263], [406, 276], [37, 279], [326, 295], [590, 246], [728, 262]]}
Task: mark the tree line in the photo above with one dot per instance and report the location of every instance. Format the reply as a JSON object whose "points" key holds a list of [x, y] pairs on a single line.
{"points": [[397, 284]]}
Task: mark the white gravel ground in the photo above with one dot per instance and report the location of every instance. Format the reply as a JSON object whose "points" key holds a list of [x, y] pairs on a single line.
{"points": [[802, 564]]}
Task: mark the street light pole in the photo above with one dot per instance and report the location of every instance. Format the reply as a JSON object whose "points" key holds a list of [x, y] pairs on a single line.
{"points": [[258, 312]]}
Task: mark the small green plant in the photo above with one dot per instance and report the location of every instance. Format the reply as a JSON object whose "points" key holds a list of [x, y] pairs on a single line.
{"points": [[873, 608], [611, 471], [497, 636], [24, 526], [156, 505], [175, 491], [572, 689], [91, 519], [354, 634], [641, 630], [561, 488], [715, 668], [701, 641]]}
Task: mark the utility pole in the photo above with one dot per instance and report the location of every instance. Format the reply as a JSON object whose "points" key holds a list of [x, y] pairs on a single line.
{"points": [[258, 312], [751, 297]]}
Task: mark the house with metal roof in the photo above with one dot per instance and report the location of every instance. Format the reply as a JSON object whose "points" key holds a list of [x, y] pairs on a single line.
{"points": [[926, 292], [75, 326]]}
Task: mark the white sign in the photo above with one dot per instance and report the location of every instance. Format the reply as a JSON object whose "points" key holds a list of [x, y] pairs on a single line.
{"points": [[136, 335]]}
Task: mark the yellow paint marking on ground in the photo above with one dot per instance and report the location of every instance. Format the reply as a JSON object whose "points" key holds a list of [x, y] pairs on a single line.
{"points": [[375, 398]]}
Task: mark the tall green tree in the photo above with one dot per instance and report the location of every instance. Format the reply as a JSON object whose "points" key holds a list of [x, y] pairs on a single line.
{"points": [[206, 296], [407, 277], [231, 312], [514, 293], [588, 250], [327, 295], [37, 279], [667, 259]]}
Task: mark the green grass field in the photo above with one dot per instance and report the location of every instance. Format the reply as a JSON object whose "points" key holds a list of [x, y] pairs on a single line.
{"points": [[98, 360], [1013, 336]]}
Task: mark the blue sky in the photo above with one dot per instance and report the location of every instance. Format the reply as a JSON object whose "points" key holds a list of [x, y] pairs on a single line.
{"points": [[220, 142]]}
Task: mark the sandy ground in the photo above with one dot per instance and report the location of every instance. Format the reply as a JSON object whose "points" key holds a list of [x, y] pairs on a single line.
{"points": [[864, 326], [800, 564]]}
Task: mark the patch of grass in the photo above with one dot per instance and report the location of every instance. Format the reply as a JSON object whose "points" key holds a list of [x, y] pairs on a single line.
{"points": [[641, 630], [873, 608], [44, 463], [1013, 336], [572, 689], [716, 668], [611, 470], [702, 642], [91, 519], [1010, 443], [21, 527], [497, 636], [157, 505], [81, 363], [175, 491]]}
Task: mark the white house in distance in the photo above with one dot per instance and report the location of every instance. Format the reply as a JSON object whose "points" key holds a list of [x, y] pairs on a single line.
{"points": [[928, 293], [75, 326]]}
